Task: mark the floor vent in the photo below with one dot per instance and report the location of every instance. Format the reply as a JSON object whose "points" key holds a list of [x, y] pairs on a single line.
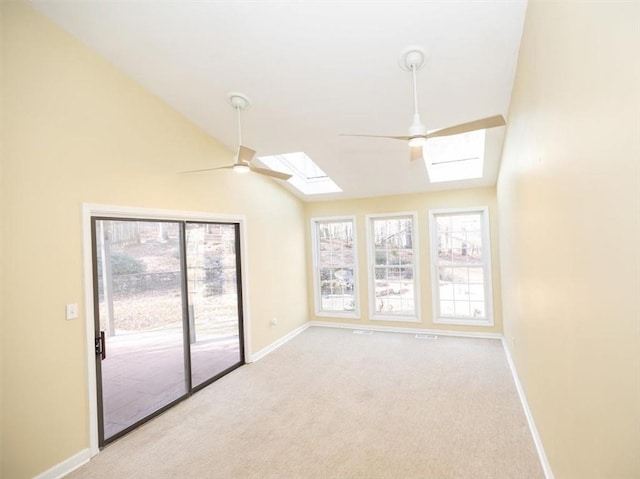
{"points": [[362, 331], [426, 336]]}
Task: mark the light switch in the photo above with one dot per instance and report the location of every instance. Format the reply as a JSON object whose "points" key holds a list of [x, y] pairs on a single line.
{"points": [[72, 311]]}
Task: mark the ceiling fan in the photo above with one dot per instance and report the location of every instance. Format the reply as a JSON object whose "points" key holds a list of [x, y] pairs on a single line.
{"points": [[242, 160], [412, 59]]}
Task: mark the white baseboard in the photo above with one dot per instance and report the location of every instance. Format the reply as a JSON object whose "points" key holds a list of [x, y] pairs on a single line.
{"points": [[66, 466], [276, 344], [544, 462], [396, 329]]}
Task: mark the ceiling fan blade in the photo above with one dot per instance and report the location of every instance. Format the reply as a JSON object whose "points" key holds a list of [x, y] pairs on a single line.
{"points": [[207, 169], [482, 124], [406, 138], [245, 155], [416, 153], [272, 173]]}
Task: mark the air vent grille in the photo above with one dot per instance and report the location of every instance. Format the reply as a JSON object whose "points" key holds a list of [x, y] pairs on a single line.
{"points": [[426, 336]]}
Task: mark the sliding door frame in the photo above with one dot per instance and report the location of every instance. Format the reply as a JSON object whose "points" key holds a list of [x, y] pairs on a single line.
{"points": [[90, 210]]}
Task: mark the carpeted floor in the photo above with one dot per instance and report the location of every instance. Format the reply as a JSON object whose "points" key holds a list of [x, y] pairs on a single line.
{"points": [[334, 404]]}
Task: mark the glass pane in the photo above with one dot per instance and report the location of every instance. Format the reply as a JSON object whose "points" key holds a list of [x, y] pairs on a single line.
{"points": [[381, 273], [393, 304], [477, 309], [141, 312], [381, 257], [344, 277], [457, 240], [462, 309], [443, 223], [469, 222], [335, 243], [460, 275], [395, 288], [407, 306], [337, 290], [325, 279], [461, 291], [213, 299], [476, 292], [380, 303], [474, 247], [406, 289], [347, 255], [406, 273], [393, 273], [446, 274], [333, 303], [457, 257], [405, 256], [446, 291], [476, 275], [446, 308]]}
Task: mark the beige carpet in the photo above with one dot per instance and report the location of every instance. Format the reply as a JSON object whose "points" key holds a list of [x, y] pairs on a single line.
{"points": [[334, 404]]}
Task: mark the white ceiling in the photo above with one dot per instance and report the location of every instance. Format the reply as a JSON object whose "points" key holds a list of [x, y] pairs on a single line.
{"points": [[316, 69]]}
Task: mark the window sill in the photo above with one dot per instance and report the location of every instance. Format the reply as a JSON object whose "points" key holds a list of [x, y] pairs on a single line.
{"points": [[330, 314], [396, 319], [465, 322]]}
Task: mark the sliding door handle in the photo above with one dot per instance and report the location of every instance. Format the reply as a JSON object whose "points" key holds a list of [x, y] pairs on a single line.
{"points": [[100, 346]]}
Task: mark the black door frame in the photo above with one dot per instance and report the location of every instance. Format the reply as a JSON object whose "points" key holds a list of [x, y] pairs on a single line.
{"points": [[99, 338]]}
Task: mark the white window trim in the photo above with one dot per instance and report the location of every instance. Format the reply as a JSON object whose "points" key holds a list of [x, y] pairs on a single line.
{"points": [[373, 314], [486, 264], [316, 279]]}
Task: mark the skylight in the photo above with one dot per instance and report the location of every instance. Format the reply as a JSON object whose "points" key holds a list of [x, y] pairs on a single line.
{"points": [[457, 157], [306, 175]]}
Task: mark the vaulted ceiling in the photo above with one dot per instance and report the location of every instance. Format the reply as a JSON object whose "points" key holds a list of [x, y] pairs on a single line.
{"points": [[314, 70]]}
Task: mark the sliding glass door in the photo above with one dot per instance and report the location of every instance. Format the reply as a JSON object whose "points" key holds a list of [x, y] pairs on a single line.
{"points": [[168, 314], [214, 299]]}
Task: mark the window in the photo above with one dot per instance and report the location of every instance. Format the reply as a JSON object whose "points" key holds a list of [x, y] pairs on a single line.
{"points": [[334, 260], [456, 157], [461, 266], [393, 272], [307, 177]]}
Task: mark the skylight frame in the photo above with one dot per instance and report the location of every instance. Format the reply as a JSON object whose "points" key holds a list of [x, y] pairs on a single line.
{"points": [[308, 186], [457, 157]]}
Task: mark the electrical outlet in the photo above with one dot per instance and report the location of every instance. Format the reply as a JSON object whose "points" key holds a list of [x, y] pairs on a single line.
{"points": [[274, 322]]}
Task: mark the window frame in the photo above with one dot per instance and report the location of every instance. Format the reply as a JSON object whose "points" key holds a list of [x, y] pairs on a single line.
{"points": [[315, 249], [393, 317], [486, 264]]}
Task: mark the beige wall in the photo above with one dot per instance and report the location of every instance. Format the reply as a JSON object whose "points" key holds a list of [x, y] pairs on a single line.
{"points": [[77, 130], [569, 215], [420, 204]]}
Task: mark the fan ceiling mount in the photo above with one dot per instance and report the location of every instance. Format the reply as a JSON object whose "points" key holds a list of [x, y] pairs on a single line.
{"points": [[244, 156], [239, 101], [412, 60]]}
